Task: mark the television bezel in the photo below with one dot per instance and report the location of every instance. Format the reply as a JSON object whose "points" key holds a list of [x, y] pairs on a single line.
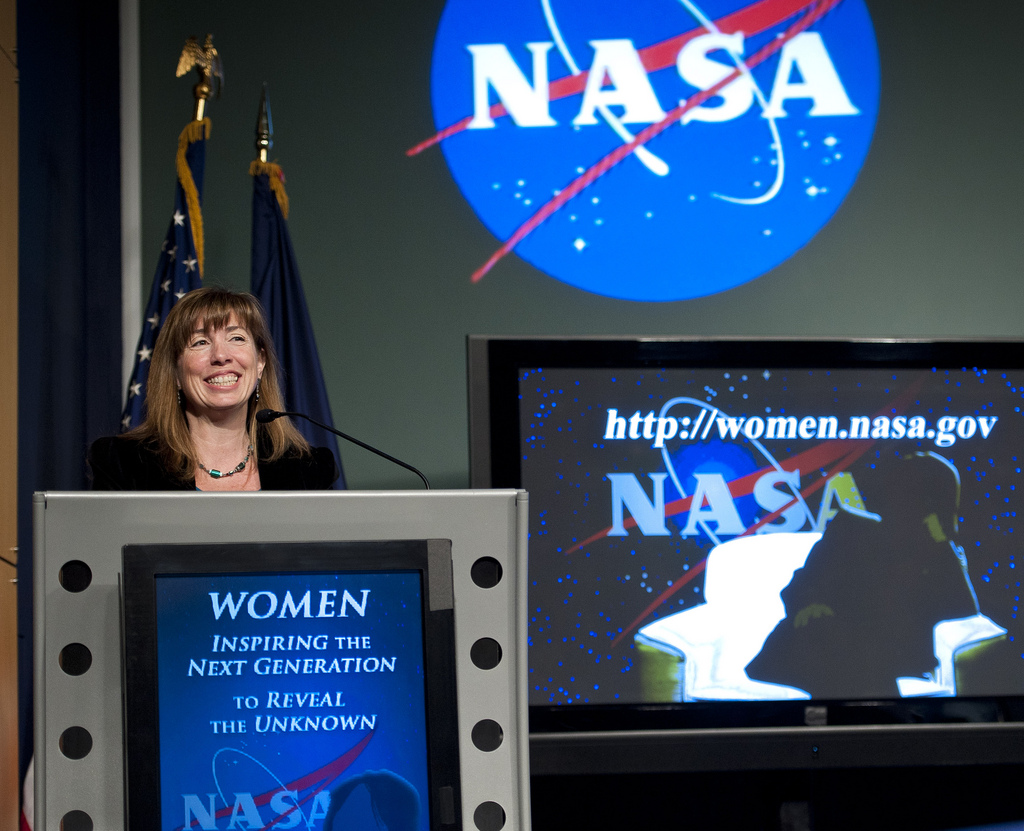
{"points": [[611, 738]]}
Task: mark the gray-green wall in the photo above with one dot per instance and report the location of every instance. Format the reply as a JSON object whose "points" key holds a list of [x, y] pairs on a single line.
{"points": [[928, 243]]}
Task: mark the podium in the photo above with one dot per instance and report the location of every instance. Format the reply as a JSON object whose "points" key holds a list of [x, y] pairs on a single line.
{"points": [[80, 759]]}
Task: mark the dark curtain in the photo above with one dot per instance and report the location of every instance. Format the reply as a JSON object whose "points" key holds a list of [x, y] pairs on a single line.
{"points": [[69, 328]]}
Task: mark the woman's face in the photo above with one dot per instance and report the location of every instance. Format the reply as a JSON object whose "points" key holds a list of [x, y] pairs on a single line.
{"points": [[218, 369]]}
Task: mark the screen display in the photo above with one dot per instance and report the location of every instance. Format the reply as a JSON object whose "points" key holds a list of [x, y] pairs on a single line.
{"points": [[290, 698], [268, 680], [753, 533]]}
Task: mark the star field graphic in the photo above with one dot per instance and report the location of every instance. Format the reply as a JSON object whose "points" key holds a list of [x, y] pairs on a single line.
{"points": [[594, 585], [724, 136]]}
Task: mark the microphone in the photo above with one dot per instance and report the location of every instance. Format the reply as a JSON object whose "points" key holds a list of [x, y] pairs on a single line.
{"points": [[266, 416]]}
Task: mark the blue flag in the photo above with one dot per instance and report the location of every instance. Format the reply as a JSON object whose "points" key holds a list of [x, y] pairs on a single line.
{"points": [[180, 265], [277, 284]]}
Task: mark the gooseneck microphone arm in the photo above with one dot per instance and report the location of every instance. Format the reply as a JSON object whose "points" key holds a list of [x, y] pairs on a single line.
{"points": [[266, 416]]}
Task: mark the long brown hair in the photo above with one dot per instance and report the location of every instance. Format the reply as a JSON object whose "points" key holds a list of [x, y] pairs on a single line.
{"points": [[165, 424]]}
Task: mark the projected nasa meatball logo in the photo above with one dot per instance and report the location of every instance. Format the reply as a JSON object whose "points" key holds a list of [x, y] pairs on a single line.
{"points": [[653, 150]]}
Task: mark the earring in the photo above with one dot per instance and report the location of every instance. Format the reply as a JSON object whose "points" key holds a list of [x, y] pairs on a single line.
{"points": [[181, 398], [258, 390]]}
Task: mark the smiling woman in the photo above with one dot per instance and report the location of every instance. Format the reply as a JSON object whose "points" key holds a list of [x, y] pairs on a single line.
{"points": [[213, 366]]}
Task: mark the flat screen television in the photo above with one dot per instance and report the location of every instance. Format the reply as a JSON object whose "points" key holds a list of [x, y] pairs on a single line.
{"points": [[289, 685], [757, 534]]}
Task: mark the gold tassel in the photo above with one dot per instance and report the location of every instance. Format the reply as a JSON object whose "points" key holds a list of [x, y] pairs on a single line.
{"points": [[195, 131], [276, 177]]}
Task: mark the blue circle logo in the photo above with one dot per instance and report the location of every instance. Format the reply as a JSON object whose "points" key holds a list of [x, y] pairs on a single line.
{"points": [[654, 150]]}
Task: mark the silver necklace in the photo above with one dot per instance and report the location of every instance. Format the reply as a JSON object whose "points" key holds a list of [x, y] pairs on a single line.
{"points": [[217, 474]]}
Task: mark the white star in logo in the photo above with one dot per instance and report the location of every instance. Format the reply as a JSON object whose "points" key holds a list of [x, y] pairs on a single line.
{"points": [[172, 252], [165, 285], [135, 389], [180, 293], [126, 422], [190, 264], [179, 218], [154, 321], [144, 354]]}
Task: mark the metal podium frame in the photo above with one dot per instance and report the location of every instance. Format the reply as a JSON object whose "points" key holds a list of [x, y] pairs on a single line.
{"points": [[93, 527]]}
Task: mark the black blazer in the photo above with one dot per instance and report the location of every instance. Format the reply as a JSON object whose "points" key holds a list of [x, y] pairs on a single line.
{"points": [[120, 464]]}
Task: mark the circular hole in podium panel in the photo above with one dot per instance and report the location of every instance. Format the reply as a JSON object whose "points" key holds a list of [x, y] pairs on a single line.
{"points": [[489, 816], [75, 743], [76, 821], [486, 572], [487, 735], [485, 653], [75, 576], [75, 659]]}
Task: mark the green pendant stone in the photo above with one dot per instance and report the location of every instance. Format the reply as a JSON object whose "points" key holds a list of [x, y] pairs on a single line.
{"points": [[216, 474]]}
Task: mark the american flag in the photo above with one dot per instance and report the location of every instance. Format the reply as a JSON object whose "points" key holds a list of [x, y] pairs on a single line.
{"points": [[179, 268]]}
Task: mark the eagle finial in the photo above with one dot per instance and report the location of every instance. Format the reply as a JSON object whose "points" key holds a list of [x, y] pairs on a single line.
{"points": [[207, 63]]}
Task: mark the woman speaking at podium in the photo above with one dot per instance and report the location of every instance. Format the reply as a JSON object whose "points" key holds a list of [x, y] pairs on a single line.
{"points": [[213, 367]]}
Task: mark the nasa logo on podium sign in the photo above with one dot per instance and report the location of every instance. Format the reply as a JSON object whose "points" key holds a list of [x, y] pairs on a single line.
{"points": [[654, 150]]}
